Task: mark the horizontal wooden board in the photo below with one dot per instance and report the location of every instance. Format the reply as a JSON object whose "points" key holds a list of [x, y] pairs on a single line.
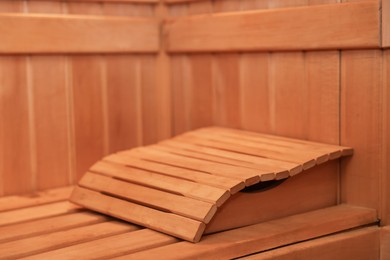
{"points": [[55, 240], [47, 225], [361, 244], [165, 222], [107, 248], [33, 199], [162, 182], [37, 212], [233, 185], [255, 238], [33, 33], [199, 210], [293, 168], [249, 176], [334, 26]]}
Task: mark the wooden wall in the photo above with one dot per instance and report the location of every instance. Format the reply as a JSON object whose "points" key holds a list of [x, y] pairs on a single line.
{"points": [[61, 112], [335, 96]]}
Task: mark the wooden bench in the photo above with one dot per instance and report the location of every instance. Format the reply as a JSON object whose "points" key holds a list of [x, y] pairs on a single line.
{"points": [[47, 226], [227, 185]]}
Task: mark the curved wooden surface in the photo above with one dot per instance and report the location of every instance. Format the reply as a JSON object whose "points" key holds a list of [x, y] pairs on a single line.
{"points": [[177, 186]]}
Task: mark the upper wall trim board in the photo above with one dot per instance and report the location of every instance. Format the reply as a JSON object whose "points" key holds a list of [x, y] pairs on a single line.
{"points": [[31, 33], [335, 26]]}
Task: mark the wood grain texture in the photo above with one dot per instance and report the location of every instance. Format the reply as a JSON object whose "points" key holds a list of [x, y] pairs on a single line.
{"points": [[88, 111], [288, 94], [124, 102], [386, 133], [254, 87], [385, 24], [161, 221], [48, 242], [299, 191], [385, 243], [76, 34], [37, 212], [361, 244], [259, 237], [264, 30], [32, 199], [120, 245], [48, 225], [50, 121], [15, 138], [361, 127]]}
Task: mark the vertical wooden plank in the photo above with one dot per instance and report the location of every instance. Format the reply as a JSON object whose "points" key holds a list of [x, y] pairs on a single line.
{"points": [[226, 87], [44, 6], [123, 102], [119, 9], [226, 79], [386, 133], [163, 82], [254, 103], [51, 115], [150, 119], [254, 87], [15, 161], [88, 111], [201, 97], [123, 91], [322, 2], [288, 89], [11, 6], [15, 149], [180, 80], [288, 94], [89, 97], [385, 23], [50, 121], [286, 3], [361, 116], [385, 243], [322, 74], [254, 4]]}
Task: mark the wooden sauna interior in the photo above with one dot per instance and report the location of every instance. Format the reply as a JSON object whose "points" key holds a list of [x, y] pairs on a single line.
{"points": [[82, 79]]}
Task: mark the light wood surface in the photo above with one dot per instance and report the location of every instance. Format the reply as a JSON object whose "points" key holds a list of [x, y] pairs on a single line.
{"points": [[225, 32], [36, 212], [33, 199], [85, 234], [119, 186], [46, 225], [385, 243], [165, 222], [60, 239], [361, 93], [76, 34], [153, 198], [314, 189], [385, 24], [361, 244], [163, 182], [266, 235], [386, 133]]}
